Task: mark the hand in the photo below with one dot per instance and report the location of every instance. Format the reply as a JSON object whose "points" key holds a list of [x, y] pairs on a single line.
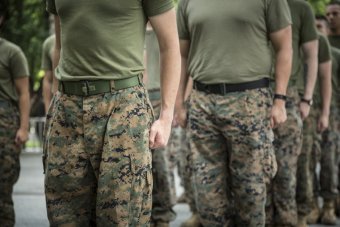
{"points": [[323, 123], [181, 116], [304, 110], [278, 113], [21, 136], [160, 133]]}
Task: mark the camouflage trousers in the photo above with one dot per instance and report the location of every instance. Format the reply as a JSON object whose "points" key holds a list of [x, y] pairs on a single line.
{"points": [[281, 209], [326, 184], [98, 164], [310, 144], [163, 181], [9, 163], [233, 157], [183, 155]]}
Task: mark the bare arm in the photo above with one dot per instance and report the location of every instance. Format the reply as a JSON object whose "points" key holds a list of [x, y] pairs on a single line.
{"points": [[22, 88], [47, 88], [56, 52], [180, 116], [325, 75], [282, 43], [165, 28], [310, 53]]}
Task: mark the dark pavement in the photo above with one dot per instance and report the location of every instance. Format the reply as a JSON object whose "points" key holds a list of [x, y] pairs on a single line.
{"points": [[30, 201]]}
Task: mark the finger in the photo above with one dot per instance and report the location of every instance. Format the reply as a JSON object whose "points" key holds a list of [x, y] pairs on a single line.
{"points": [[152, 137]]}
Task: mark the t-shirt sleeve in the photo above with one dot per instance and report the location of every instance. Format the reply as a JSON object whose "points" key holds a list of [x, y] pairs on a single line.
{"points": [[324, 53], [277, 15], [155, 7], [50, 7], [182, 22], [308, 30], [46, 63], [19, 65]]}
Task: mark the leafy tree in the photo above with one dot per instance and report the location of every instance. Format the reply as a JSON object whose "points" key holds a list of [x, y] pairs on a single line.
{"points": [[27, 26], [319, 6]]}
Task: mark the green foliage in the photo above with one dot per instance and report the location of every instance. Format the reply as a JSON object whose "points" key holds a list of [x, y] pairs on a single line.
{"points": [[319, 6], [27, 27]]}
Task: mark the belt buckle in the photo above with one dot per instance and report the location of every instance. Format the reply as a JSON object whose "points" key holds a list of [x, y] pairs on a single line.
{"points": [[87, 88]]}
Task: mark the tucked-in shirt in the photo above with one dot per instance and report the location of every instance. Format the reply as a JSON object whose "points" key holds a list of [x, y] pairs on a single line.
{"points": [[47, 53], [13, 65], [229, 39], [103, 39]]}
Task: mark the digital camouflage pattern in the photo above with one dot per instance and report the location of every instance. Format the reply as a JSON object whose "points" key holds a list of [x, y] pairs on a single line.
{"points": [[162, 194], [98, 165], [326, 185], [233, 157], [281, 208], [181, 147], [310, 145], [9, 163]]}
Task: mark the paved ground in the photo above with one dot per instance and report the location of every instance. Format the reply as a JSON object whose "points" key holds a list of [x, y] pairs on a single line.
{"points": [[29, 197]]}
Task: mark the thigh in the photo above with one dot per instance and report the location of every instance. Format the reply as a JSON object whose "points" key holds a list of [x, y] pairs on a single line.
{"points": [[125, 178], [209, 163], [69, 180]]}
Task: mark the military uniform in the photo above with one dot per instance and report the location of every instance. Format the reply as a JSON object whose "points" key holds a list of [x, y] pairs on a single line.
{"points": [[281, 203], [98, 165], [13, 65], [311, 140], [163, 191], [229, 128]]}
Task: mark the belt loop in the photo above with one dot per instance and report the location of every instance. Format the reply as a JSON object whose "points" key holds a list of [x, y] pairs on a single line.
{"points": [[140, 78], [112, 85]]}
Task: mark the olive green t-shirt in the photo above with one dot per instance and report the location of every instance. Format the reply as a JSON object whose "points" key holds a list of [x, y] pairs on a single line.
{"points": [[152, 60], [334, 40], [103, 39], [229, 38], [13, 65], [47, 53], [303, 31]]}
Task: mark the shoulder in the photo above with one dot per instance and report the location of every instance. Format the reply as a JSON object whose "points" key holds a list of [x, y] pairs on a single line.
{"points": [[10, 48]]}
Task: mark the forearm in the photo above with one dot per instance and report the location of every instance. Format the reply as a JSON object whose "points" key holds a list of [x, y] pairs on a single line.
{"points": [[325, 87], [24, 110], [310, 52], [47, 89], [170, 70], [282, 70]]}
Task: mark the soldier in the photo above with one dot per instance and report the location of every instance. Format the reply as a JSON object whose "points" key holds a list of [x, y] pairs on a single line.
{"points": [[101, 129], [326, 184], [14, 118], [47, 66], [333, 17], [281, 207], [162, 194], [225, 48]]}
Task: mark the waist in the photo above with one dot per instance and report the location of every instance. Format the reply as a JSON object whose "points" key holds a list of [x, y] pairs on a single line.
{"points": [[222, 89], [5, 104], [154, 94], [95, 87]]}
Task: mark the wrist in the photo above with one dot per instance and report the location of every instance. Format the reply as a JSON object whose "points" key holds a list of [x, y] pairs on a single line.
{"points": [[309, 102]]}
